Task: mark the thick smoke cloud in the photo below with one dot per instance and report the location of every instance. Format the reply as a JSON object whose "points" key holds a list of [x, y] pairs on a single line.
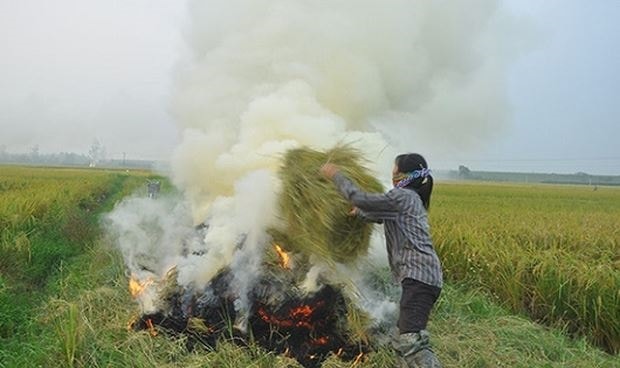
{"points": [[266, 76], [270, 75]]}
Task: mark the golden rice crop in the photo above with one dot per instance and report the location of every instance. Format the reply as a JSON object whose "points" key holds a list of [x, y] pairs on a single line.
{"points": [[35, 200], [549, 251]]}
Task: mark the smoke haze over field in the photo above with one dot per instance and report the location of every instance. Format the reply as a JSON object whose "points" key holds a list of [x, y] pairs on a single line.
{"points": [[74, 71]]}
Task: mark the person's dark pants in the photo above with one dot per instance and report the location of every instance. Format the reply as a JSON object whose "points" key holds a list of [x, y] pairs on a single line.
{"points": [[416, 302]]}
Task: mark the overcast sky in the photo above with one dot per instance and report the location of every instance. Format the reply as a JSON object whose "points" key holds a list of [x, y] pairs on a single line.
{"points": [[72, 71], [564, 92]]}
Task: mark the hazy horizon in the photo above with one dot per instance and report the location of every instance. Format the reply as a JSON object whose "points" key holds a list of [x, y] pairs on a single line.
{"points": [[73, 72]]}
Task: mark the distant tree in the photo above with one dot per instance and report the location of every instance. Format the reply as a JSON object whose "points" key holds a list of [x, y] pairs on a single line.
{"points": [[464, 172], [584, 177], [34, 153]]}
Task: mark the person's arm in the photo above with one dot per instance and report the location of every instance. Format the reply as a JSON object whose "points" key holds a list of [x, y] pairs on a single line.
{"points": [[372, 206], [367, 216]]}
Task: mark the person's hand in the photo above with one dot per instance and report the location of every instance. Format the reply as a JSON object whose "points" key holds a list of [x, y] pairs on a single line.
{"points": [[353, 211], [329, 170]]}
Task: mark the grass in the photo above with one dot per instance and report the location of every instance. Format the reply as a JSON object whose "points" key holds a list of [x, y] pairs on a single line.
{"points": [[468, 329], [48, 219], [471, 331]]}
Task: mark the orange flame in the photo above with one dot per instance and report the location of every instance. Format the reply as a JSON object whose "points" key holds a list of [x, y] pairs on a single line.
{"points": [[305, 311], [136, 287], [149, 324], [297, 317], [285, 259], [323, 340]]}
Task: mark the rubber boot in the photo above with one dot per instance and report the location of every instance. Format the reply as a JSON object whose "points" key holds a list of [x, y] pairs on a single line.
{"points": [[415, 349], [424, 358]]}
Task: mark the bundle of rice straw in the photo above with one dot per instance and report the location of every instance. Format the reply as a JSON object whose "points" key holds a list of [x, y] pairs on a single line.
{"points": [[315, 213]]}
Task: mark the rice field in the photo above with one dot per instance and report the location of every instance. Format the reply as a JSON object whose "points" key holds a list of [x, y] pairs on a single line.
{"points": [[511, 254], [550, 252], [36, 201], [46, 218]]}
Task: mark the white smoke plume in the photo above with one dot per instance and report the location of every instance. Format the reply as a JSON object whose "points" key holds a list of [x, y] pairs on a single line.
{"points": [[148, 232], [152, 237], [264, 76]]}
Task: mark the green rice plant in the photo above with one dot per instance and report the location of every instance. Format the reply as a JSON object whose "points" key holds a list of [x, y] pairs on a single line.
{"points": [[69, 331], [315, 215]]}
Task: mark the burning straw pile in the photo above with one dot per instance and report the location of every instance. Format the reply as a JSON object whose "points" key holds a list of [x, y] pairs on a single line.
{"points": [[315, 213], [309, 328], [277, 313]]}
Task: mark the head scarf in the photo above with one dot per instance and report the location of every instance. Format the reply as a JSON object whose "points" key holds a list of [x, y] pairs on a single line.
{"points": [[402, 180]]}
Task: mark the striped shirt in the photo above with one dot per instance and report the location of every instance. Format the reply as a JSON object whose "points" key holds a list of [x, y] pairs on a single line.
{"points": [[407, 234]]}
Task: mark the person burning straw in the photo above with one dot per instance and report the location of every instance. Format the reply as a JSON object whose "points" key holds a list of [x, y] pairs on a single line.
{"points": [[315, 313]]}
